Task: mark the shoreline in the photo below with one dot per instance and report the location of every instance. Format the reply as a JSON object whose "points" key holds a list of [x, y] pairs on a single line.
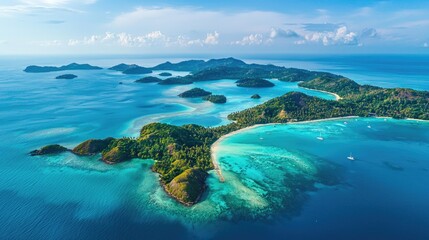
{"points": [[215, 146], [337, 97]]}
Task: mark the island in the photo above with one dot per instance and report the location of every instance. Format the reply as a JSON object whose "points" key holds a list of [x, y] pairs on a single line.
{"points": [[194, 93], [176, 81], [215, 98], [122, 67], [254, 83], [149, 79], [49, 149], [71, 66], [182, 154], [66, 76], [255, 96], [137, 70], [165, 74]]}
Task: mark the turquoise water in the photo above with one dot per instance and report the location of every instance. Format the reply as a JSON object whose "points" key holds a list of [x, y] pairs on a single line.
{"points": [[276, 186], [382, 194]]}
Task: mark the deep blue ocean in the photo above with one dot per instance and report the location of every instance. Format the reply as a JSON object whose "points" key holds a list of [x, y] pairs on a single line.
{"points": [[383, 194]]}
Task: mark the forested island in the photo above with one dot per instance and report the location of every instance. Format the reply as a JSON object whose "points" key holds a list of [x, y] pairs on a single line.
{"points": [[215, 98], [182, 153], [149, 79], [254, 83], [71, 66], [66, 76], [194, 93]]}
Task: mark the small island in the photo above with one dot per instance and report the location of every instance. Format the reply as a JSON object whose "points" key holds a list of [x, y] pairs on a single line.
{"points": [[66, 76], [215, 98], [176, 81], [71, 66], [255, 96], [49, 149], [137, 70], [122, 67], [254, 83], [149, 79], [194, 93], [165, 74], [182, 154]]}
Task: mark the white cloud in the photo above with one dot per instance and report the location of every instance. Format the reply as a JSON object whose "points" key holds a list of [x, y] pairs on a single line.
{"points": [[49, 43], [32, 6], [341, 36], [149, 39], [281, 33], [252, 39], [212, 38]]}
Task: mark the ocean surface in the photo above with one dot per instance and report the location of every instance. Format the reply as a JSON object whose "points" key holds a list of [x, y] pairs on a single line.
{"points": [[281, 182]]}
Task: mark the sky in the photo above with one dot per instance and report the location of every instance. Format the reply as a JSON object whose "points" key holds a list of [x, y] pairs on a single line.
{"points": [[221, 26]]}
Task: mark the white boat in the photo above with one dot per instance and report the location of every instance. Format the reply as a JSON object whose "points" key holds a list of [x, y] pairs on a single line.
{"points": [[351, 157], [320, 137], [369, 126]]}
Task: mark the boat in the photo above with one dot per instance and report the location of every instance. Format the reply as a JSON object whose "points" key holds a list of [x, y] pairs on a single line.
{"points": [[320, 137], [369, 126], [351, 158]]}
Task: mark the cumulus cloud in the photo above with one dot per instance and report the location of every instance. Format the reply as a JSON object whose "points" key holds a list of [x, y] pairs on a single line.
{"points": [[212, 38], [149, 39], [252, 39], [281, 33], [341, 36]]}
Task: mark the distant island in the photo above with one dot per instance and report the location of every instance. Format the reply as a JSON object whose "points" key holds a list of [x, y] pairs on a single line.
{"points": [[165, 74], [255, 96], [215, 98], [149, 79], [183, 153], [72, 66], [130, 69], [254, 83], [66, 76], [176, 81], [194, 93]]}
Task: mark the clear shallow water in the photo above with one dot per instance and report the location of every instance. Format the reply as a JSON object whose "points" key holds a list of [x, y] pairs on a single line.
{"points": [[381, 195], [69, 197]]}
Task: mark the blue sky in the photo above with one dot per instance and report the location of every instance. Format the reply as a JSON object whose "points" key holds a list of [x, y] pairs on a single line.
{"points": [[222, 26]]}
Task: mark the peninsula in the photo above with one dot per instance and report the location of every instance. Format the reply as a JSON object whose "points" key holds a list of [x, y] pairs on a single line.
{"points": [[182, 153]]}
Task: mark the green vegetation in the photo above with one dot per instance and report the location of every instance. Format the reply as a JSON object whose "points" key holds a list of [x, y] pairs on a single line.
{"points": [[49, 149], [71, 66], [149, 79], [182, 154], [137, 70], [188, 186], [254, 83], [194, 93], [122, 67], [66, 76], [255, 96], [215, 98], [92, 146], [165, 74], [176, 81]]}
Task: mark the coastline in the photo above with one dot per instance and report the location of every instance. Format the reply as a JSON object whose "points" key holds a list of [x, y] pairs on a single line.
{"points": [[337, 97], [215, 146]]}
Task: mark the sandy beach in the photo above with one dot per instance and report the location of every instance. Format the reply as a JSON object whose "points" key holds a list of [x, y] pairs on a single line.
{"points": [[337, 97]]}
